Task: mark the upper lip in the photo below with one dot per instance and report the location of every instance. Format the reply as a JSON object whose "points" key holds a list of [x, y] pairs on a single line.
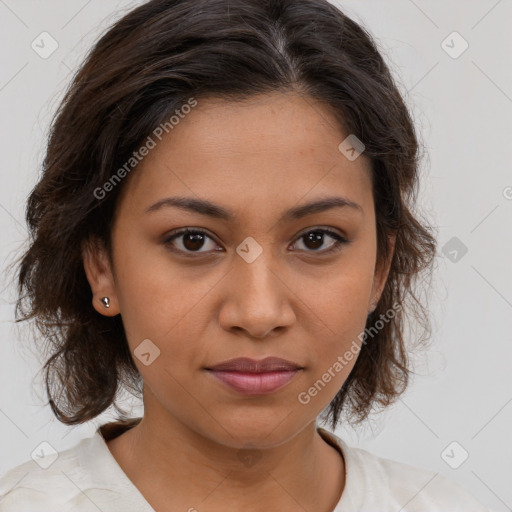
{"points": [[247, 365]]}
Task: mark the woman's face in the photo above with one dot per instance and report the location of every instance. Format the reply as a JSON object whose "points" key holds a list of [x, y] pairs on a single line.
{"points": [[262, 281]]}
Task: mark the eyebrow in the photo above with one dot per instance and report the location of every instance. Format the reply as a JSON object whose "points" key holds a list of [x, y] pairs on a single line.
{"points": [[204, 207]]}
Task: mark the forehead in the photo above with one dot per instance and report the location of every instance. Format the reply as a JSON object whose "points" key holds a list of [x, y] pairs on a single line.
{"points": [[272, 149]]}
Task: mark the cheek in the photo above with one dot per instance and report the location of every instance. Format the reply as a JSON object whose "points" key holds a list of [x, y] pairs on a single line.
{"points": [[156, 295], [341, 309], [350, 306], [339, 297]]}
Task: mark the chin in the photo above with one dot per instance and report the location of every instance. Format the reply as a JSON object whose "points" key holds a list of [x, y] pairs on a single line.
{"points": [[257, 430]]}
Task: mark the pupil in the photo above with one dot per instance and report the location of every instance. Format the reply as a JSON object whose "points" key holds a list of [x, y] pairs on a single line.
{"points": [[315, 238], [193, 241]]}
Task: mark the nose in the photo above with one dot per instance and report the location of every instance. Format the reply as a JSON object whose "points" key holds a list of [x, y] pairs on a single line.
{"points": [[257, 298]]}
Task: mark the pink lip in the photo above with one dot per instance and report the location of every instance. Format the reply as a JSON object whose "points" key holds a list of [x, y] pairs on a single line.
{"points": [[251, 377], [255, 383]]}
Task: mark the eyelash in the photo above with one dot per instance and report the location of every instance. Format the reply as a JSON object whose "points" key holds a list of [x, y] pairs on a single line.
{"points": [[339, 240]]}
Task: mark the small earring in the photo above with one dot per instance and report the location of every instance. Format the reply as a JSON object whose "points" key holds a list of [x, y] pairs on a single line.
{"points": [[105, 301]]}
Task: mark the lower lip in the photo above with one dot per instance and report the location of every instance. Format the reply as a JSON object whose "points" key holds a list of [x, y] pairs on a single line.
{"points": [[255, 383]]}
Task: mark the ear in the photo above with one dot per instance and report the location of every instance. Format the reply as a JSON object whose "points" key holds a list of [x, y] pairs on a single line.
{"points": [[381, 274], [100, 276]]}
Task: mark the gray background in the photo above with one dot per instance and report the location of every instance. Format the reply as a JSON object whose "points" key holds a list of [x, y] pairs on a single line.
{"points": [[462, 104]]}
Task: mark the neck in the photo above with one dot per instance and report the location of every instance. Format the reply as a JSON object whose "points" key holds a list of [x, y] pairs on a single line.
{"points": [[172, 464]]}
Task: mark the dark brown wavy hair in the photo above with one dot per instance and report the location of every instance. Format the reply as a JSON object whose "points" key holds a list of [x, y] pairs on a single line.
{"points": [[136, 76]]}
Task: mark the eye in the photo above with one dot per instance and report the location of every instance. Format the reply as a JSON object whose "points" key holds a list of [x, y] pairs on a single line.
{"points": [[314, 239], [192, 241]]}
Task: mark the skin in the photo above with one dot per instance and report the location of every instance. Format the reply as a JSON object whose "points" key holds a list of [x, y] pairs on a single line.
{"points": [[258, 158]]}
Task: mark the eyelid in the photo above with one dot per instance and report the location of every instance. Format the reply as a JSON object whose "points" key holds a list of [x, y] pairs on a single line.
{"points": [[326, 229]]}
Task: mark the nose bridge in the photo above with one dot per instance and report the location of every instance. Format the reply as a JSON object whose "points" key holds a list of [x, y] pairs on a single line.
{"points": [[255, 265]]}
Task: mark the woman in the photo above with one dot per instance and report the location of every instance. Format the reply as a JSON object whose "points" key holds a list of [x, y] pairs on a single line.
{"points": [[224, 224]]}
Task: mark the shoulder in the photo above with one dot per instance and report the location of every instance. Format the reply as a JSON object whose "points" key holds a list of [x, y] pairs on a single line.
{"points": [[418, 488], [51, 482], [372, 482]]}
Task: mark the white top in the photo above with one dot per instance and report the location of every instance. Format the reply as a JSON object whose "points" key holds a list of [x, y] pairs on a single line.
{"points": [[87, 478]]}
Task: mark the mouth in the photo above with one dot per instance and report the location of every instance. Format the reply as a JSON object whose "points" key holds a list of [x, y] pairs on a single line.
{"points": [[251, 377]]}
